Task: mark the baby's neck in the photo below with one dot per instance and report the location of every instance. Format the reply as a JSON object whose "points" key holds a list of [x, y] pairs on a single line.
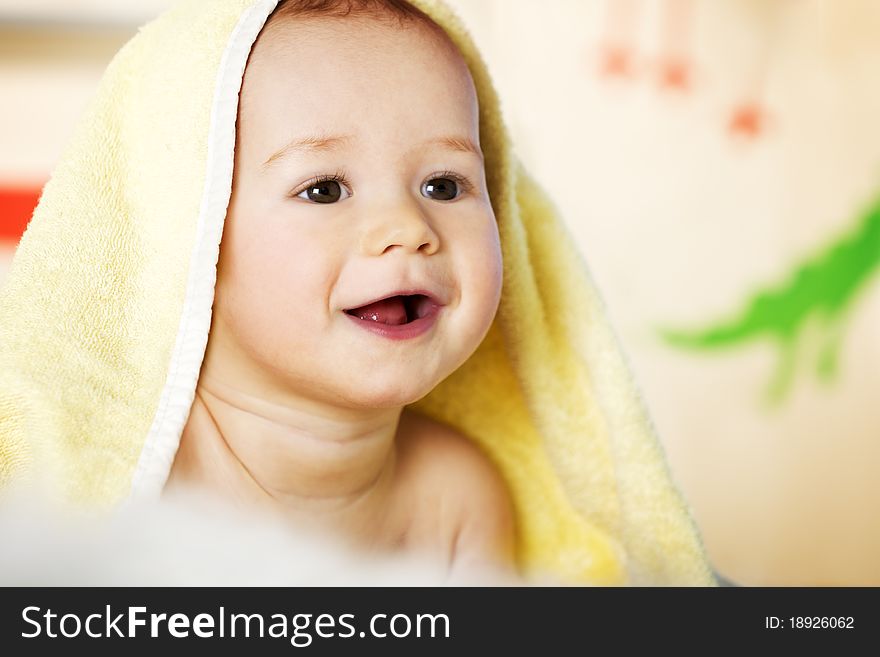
{"points": [[306, 465]]}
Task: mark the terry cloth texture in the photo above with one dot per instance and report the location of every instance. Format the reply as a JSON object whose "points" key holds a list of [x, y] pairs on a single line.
{"points": [[105, 314]]}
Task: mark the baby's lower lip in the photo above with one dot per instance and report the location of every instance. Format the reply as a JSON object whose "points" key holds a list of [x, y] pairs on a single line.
{"points": [[406, 331]]}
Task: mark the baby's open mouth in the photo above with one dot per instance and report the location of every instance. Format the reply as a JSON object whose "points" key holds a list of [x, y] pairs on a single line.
{"points": [[396, 310]]}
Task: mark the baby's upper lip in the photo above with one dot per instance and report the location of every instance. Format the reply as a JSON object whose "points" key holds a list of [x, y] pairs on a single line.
{"points": [[433, 296]]}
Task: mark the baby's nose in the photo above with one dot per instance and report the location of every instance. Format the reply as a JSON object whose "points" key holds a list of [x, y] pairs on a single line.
{"points": [[406, 229]]}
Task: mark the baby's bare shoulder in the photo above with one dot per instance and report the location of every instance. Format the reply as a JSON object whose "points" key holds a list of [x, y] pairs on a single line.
{"points": [[450, 463]]}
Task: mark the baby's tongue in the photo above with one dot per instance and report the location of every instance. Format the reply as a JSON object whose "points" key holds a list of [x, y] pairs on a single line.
{"points": [[387, 311]]}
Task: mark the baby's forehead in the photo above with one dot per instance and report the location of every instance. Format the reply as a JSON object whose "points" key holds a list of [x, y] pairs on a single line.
{"points": [[347, 62], [388, 85], [319, 37]]}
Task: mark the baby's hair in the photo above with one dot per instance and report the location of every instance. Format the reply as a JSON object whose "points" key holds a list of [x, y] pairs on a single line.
{"points": [[402, 10]]}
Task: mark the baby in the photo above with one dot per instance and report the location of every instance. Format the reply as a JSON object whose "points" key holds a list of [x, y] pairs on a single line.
{"points": [[360, 266]]}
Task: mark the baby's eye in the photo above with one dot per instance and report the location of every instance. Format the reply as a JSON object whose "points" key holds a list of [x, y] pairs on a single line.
{"points": [[445, 186], [323, 190]]}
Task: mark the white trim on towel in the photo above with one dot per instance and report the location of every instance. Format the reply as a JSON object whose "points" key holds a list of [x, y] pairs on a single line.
{"points": [[178, 393]]}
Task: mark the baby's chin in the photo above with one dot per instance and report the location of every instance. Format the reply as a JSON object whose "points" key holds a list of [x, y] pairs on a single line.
{"points": [[366, 383], [365, 393], [349, 383]]}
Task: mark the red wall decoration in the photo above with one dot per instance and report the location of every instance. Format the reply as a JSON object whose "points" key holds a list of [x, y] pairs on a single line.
{"points": [[16, 207]]}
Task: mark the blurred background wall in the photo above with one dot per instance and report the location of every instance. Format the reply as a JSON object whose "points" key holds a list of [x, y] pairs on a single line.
{"points": [[718, 162]]}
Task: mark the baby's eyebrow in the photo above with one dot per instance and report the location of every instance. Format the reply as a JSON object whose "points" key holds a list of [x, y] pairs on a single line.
{"points": [[460, 144], [312, 143], [330, 143]]}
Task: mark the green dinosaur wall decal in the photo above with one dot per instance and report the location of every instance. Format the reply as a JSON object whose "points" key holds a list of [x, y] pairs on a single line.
{"points": [[822, 286]]}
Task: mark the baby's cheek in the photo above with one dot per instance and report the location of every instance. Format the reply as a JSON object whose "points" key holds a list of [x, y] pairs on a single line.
{"points": [[272, 290], [484, 267], [277, 264], [479, 274]]}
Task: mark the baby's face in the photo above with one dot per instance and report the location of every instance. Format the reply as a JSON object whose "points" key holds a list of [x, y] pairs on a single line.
{"points": [[412, 212]]}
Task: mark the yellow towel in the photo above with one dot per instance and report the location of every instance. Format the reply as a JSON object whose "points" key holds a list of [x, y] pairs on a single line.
{"points": [[105, 316]]}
